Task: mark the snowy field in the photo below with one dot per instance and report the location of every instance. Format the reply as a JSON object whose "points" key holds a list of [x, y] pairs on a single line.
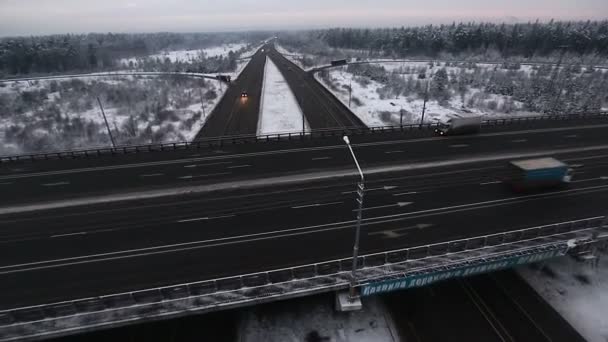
{"points": [[49, 115], [188, 56], [579, 292], [374, 110], [382, 91], [280, 111], [314, 319]]}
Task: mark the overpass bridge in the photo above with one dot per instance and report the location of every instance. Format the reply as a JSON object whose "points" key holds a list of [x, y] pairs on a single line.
{"points": [[123, 248], [137, 233]]}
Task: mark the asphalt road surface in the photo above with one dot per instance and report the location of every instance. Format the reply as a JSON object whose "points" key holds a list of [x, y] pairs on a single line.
{"points": [[117, 247], [321, 108], [497, 307], [234, 114], [52, 181]]}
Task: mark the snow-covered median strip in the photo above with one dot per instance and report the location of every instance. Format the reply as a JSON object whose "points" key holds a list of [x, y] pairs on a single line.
{"points": [[578, 292], [280, 110]]}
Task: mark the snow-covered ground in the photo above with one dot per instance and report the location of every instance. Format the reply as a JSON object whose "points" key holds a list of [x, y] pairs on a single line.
{"points": [[368, 105], [280, 111], [314, 319], [186, 56], [180, 119], [578, 291]]}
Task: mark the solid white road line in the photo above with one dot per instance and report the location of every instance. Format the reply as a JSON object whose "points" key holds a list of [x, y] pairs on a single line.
{"points": [[56, 184], [70, 234], [385, 188], [316, 205], [321, 158], [206, 175], [208, 164], [206, 218], [238, 167], [393, 152], [406, 193], [490, 183], [399, 204], [589, 180], [459, 145], [152, 175]]}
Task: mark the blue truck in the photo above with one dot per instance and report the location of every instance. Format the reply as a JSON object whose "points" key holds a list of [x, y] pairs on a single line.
{"points": [[539, 173]]}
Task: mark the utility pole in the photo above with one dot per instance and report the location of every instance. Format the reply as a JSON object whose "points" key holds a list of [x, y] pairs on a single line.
{"points": [[303, 124], [350, 93], [202, 103], [106, 121], [426, 98], [360, 196]]}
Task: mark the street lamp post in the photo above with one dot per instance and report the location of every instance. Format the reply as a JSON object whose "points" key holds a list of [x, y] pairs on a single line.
{"points": [[360, 196]]}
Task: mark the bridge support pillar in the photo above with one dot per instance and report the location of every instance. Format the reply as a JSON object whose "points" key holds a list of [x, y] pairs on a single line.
{"points": [[344, 302]]}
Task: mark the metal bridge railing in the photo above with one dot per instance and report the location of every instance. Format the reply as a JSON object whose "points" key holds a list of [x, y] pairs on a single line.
{"points": [[289, 282], [216, 142]]}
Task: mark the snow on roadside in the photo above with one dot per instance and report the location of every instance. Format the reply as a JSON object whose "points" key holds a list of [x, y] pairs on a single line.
{"points": [[294, 57], [314, 319], [577, 291], [280, 111]]}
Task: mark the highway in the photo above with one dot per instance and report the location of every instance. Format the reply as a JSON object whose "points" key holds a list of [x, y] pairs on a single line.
{"points": [[235, 115], [496, 307], [112, 224], [321, 108], [122, 246], [60, 180]]}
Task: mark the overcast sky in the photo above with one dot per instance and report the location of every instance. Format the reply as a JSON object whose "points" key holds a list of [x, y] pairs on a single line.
{"points": [[23, 17]]}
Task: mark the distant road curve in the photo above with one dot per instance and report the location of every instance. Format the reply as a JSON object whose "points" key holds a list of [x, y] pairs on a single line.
{"points": [[110, 74], [379, 61]]}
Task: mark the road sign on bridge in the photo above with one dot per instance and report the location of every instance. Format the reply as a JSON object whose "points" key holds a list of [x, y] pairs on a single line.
{"points": [[409, 282]]}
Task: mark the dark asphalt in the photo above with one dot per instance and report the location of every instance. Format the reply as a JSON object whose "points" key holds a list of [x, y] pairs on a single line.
{"points": [[134, 245], [321, 108], [214, 327], [35, 182], [235, 115], [496, 307]]}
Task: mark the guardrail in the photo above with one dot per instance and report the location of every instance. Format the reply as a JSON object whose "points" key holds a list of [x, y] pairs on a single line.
{"points": [[292, 282], [216, 142]]}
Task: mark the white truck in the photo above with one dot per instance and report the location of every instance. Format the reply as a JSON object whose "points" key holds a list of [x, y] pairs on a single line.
{"points": [[462, 123]]}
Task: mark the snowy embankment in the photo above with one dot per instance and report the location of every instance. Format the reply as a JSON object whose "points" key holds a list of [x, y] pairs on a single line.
{"points": [[293, 56], [314, 319], [579, 292], [280, 112]]}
